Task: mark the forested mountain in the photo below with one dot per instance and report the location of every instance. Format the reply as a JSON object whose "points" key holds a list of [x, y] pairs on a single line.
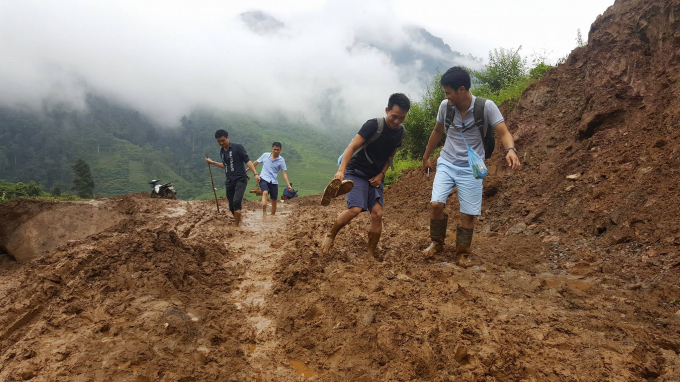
{"points": [[125, 149]]}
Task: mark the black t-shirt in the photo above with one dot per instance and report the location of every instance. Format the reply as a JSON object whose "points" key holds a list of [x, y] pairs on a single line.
{"points": [[234, 160], [379, 151]]}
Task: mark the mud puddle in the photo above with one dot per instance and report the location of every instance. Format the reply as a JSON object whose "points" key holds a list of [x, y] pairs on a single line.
{"points": [[262, 259], [553, 281], [302, 369]]}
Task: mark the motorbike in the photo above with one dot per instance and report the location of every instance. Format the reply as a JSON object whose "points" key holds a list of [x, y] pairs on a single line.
{"points": [[165, 191]]}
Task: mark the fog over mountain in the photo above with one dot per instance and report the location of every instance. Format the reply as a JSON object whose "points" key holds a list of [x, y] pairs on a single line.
{"points": [[334, 66]]}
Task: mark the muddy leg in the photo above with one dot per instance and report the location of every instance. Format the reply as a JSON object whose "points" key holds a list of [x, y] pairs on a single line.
{"points": [[342, 220], [265, 194], [274, 201], [237, 218], [375, 229]]}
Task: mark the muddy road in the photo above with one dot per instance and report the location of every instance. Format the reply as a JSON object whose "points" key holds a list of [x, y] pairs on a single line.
{"points": [[173, 292]]}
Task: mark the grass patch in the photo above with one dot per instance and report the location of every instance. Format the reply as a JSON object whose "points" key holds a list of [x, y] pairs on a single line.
{"points": [[400, 165]]}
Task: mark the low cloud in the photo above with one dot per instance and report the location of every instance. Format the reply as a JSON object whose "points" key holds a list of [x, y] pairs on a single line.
{"points": [[333, 66]]}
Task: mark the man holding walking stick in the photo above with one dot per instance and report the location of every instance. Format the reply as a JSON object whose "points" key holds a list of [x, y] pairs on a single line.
{"points": [[234, 159]]}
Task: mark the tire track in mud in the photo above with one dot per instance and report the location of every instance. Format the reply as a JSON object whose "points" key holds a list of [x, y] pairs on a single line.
{"points": [[256, 243]]}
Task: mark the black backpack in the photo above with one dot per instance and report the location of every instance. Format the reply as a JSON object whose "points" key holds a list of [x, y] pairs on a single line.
{"points": [[485, 129]]}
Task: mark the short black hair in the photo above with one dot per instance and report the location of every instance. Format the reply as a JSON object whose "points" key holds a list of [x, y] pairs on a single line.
{"points": [[455, 78], [276, 144], [221, 133], [400, 100]]}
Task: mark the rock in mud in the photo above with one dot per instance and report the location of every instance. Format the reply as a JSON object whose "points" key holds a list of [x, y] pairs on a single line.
{"points": [[517, 229], [366, 317], [461, 355]]}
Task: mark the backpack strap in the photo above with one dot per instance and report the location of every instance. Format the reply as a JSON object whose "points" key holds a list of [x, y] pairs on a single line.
{"points": [[381, 127], [450, 113], [478, 113]]}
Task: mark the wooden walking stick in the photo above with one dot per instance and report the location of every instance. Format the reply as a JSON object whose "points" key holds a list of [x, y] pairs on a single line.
{"points": [[213, 185]]}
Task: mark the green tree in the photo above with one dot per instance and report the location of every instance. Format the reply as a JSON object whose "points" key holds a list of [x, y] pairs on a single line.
{"points": [[505, 67], [421, 120], [83, 184]]}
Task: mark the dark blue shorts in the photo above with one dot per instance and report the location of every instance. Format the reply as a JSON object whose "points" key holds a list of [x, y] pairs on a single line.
{"points": [[363, 194], [272, 188]]}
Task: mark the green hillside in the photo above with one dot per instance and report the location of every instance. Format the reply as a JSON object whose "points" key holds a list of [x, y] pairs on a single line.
{"points": [[125, 149]]}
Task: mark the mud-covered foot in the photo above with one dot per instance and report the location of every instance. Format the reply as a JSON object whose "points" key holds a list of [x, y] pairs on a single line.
{"points": [[463, 260], [327, 244], [373, 239], [435, 248]]}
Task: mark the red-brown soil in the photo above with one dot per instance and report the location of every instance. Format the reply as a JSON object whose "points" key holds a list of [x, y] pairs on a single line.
{"points": [[574, 279]]}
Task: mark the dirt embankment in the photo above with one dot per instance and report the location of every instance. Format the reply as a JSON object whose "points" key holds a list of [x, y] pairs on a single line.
{"points": [[535, 308], [579, 262], [147, 299], [29, 229], [600, 140]]}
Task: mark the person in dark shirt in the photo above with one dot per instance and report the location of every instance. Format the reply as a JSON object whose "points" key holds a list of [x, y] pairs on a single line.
{"points": [[234, 159], [368, 174]]}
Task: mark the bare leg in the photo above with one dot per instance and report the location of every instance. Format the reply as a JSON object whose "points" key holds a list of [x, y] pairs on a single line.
{"points": [[467, 221], [342, 220], [437, 211], [274, 201], [375, 229], [264, 202]]}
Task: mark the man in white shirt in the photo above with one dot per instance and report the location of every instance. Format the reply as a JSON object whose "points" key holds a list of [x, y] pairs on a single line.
{"points": [[272, 163], [453, 169]]}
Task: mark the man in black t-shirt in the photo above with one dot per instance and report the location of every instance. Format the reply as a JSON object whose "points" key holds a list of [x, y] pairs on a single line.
{"points": [[234, 159], [367, 170]]}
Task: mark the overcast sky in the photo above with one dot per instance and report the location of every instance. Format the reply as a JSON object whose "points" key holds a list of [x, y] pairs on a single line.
{"points": [[167, 57]]}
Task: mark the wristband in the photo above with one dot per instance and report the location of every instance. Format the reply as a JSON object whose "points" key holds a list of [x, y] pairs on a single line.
{"points": [[511, 148]]}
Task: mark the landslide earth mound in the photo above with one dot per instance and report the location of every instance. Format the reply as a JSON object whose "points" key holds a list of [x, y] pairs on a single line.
{"points": [[31, 228], [600, 139], [146, 299], [578, 274], [575, 279]]}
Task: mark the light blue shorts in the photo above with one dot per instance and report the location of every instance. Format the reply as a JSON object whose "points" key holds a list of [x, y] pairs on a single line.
{"points": [[469, 188]]}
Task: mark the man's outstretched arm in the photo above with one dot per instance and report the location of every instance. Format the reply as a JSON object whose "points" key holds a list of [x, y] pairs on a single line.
{"points": [[254, 165], [347, 155], [508, 142], [432, 143], [212, 162], [251, 167], [285, 177]]}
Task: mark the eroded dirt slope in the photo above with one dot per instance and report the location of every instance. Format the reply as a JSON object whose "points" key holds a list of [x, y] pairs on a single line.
{"points": [[159, 296], [607, 118], [575, 279], [534, 308]]}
